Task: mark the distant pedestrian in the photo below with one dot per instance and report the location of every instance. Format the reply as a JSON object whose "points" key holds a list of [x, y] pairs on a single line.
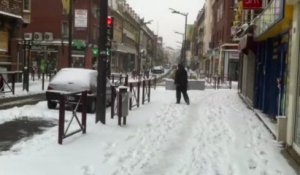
{"points": [[181, 82]]}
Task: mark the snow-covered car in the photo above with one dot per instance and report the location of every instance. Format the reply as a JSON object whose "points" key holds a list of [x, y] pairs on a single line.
{"points": [[158, 70], [75, 80]]}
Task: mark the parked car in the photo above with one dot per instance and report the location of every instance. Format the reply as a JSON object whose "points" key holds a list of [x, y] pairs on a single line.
{"points": [[75, 80], [158, 70]]}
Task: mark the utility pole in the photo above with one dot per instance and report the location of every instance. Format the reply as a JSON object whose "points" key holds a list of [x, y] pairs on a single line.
{"points": [[70, 33], [185, 26], [102, 63], [140, 27]]}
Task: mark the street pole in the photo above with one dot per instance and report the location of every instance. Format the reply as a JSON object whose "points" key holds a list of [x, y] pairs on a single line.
{"points": [[183, 58], [141, 24], [70, 33], [184, 43], [101, 67], [139, 53]]}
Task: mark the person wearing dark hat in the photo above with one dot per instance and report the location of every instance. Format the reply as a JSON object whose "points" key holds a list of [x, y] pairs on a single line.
{"points": [[181, 81]]}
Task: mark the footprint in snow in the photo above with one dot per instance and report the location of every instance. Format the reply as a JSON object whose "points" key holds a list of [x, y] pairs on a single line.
{"points": [[87, 170], [251, 164]]}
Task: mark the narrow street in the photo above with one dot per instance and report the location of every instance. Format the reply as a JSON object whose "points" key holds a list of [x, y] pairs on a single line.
{"points": [[215, 134]]}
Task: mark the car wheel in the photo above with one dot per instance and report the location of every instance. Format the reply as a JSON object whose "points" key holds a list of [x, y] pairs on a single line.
{"points": [[51, 105], [91, 108]]}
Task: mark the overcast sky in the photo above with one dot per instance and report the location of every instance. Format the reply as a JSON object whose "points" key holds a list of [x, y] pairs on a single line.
{"points": [[164, 22]]}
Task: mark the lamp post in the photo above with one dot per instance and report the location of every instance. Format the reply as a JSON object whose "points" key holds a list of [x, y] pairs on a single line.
{"points": [[26, 58], [141, 24], [70, 21], [182, 46], [185, 26]]}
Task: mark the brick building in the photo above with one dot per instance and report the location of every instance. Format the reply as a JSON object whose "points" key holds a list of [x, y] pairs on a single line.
{"points": [[11, 20], [225, 57], [49, 30]]}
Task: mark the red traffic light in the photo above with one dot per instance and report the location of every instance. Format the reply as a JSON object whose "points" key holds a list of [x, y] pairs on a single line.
{"points": [[109, 20]]}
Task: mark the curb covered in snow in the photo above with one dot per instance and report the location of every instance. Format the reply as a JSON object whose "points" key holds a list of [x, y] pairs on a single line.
{"points": [[261, 118]]}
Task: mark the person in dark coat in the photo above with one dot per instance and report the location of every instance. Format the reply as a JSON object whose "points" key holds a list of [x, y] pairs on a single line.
{"points": [[181, 81]]}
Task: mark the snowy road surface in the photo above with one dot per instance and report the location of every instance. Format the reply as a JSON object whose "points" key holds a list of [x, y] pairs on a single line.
{"points": [[215, 135]]}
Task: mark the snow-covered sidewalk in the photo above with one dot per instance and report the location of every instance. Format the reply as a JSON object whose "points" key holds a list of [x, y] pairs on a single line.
{"points": [[215, 135]]}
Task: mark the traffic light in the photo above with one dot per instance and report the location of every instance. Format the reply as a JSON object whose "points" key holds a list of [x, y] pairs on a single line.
{"points": [[110, 27]]}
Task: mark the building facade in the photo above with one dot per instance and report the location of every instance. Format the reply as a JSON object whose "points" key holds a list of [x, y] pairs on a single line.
{"points": [[225, 51], [198, 58], [273, 48], [48, 31], [11, 22]]}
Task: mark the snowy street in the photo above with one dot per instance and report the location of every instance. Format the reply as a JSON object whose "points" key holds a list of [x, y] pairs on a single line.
{"points": [[215, 135]]}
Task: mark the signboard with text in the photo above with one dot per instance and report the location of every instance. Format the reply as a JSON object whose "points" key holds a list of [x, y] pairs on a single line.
{"points": [[81, 18], [273, 13], [252, 4]]}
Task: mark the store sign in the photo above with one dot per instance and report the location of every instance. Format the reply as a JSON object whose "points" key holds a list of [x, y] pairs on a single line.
{"points": [[252, 4], [234, 55], [81, 18], [273, 13]]}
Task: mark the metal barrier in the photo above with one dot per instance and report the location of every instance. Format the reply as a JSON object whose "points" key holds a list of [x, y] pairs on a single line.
{"points": [[119, 105], [4, 83], [134, 88], [64, 103], [218, 83], [146, 91], [123, 79]]}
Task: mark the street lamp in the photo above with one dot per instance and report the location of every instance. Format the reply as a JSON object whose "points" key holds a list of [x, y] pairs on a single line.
{"points": [[184, 43], [182, 46], [141, 24], [70, 21], [27, 47]]}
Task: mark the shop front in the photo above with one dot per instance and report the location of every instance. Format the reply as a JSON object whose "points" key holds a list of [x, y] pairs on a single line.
{"points": [[272, 37], [79, 48], [44, 59], [123, 58], [247, 66], [10, 22]]}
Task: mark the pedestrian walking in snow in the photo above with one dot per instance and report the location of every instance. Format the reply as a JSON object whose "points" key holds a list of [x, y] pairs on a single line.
{"points": [[181, 81]]}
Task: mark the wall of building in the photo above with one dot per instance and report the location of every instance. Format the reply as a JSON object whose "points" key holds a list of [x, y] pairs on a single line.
{"points": [[293, 64], [10, 27], [46, 17], [208, 26]]}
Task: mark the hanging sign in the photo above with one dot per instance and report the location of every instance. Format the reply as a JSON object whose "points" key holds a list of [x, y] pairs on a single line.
{"points": [[252, 4]]}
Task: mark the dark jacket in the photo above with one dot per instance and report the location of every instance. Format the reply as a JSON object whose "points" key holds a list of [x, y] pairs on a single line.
{"points": [[181, 78]]}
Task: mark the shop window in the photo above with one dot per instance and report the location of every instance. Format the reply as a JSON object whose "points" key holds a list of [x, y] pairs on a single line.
{"points": [[65, 29], [26, 5]]}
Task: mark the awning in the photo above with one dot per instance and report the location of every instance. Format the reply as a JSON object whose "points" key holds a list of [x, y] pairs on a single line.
{"points": [[246, 43], [124, 49], [5, 63], [78, 55], [11, 15]]}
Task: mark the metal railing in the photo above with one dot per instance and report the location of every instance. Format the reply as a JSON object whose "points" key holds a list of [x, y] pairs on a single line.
{"points": [[65, 104]]}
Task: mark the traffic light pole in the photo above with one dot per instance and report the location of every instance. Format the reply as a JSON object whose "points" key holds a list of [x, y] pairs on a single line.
{"points": [[70, 21], [101, 67]]}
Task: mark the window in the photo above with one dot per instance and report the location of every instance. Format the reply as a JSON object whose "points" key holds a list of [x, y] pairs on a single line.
{"points": [[26, 5], [65, 29]]}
